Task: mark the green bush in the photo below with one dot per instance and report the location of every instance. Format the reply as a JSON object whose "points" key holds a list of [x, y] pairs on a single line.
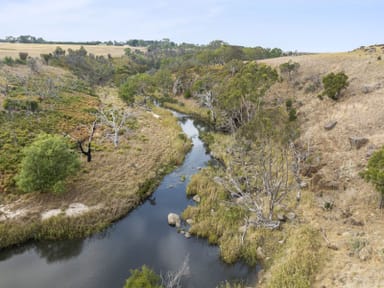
{"points": [[375, 173], [17, 104], [143, 278], [187, 94], [334, 83], [8, 61], [48, 161], [23, 56], [292, 114], [289, 68]]}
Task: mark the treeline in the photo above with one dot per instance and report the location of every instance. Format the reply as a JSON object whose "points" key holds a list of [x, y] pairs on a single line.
{"points": [[40, 40]]}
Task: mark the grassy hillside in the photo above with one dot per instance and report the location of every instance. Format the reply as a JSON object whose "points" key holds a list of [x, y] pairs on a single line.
{"points": [[342, 205]]}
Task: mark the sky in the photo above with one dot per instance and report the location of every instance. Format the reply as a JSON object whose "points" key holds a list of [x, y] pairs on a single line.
{"points": [[302, 25]]}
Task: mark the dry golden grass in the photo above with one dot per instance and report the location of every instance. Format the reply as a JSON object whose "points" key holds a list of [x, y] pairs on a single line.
{"points": [[35, 50], [358, 113]]}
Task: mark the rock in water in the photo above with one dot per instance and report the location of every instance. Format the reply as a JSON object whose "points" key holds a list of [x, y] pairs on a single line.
{"points": [[174, 220], [190, 221]]}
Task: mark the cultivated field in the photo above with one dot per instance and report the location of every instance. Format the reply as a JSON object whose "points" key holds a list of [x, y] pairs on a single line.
{"points": [[35, 50]]}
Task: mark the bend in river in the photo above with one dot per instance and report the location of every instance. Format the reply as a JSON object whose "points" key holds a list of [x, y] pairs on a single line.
{"points": [[142, 237]]}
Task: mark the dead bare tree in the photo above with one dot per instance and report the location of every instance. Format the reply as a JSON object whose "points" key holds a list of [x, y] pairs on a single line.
{"points": [[88, 153], [115, 119], [208, 101], [299, 157], [258, 175], [173, 279]]}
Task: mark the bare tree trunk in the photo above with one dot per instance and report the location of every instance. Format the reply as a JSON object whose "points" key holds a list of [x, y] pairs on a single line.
{"points": [[259, 176], [173, 279], [115, 119], [88, 153]]}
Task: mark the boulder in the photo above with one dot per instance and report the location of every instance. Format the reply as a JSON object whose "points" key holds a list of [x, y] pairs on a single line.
{"points": [[330, 125], [357, 142], [190, 221], [50, 213], [174, 220], [196, 198]]}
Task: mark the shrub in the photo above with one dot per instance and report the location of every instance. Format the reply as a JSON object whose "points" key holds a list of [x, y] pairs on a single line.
{"points": [[292, 114], [334, 83], [23, 56], [33, 64], [46, 57], [48, 161], [143, 278], [18, 104], [289, 68], [375, 173], [187, 94], [9, 61]]}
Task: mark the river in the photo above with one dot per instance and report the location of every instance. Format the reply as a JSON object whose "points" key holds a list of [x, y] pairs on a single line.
{"points": [[142, 237]]}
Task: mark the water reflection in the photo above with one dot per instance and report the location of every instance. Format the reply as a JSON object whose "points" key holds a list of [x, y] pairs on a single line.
{"points": [[59, 250]]}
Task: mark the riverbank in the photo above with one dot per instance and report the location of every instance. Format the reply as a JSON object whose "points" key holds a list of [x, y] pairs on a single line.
{"points": [[105, 189], [289, 256], [109, 187]]}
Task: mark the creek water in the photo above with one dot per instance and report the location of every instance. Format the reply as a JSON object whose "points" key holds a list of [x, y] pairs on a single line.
{"points": [[142, 237]]}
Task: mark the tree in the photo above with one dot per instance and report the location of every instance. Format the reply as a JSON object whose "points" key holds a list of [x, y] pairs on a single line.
{"points": [[88, 153], [58, 52], [258, 174], [115, 119], [289, 68], [374, 173], [334, 84], [172, 279], [241, 96], [137, 85], [47, 163], [143, 278]]}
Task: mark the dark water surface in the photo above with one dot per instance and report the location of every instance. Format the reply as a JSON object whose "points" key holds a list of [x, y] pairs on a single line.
{"points": [[142, 237]]}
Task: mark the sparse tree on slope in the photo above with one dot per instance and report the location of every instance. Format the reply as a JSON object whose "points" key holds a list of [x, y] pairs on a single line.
{"points": [[375, 173]]}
